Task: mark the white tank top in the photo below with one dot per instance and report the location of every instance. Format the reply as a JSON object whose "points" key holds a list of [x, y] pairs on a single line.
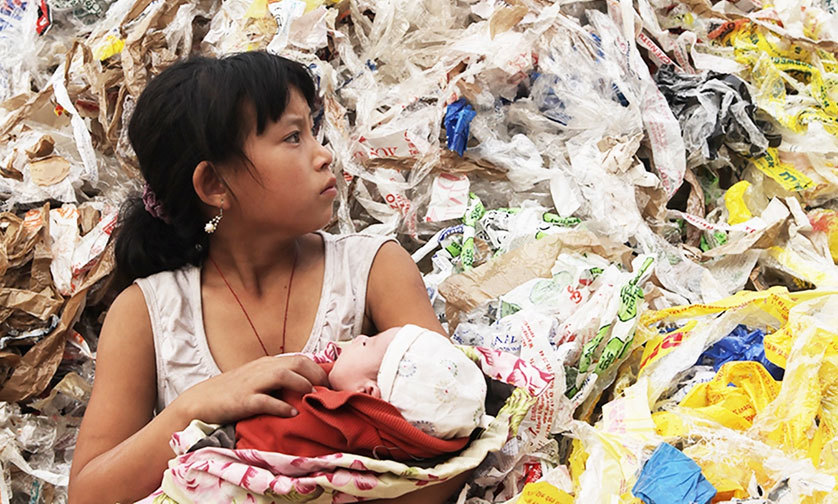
{"points": [[173, 299]]}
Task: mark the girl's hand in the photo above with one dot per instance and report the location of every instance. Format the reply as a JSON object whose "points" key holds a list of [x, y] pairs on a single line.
{"points": [[246, 391]]}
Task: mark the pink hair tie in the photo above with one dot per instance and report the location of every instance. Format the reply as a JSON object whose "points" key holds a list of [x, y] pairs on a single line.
{"points": [[152, 205]]}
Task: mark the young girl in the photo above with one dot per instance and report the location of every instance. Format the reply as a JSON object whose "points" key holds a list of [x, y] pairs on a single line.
{"points": [[229, 271]]}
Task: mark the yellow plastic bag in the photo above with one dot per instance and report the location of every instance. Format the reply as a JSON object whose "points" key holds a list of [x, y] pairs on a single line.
{"points": [[730, 468], [737, 207], [773, 305], [779, 343], [796, 419], [804, 417], [729, 480], [576, 463], [734, 406], [784, 174], [775, 62]]}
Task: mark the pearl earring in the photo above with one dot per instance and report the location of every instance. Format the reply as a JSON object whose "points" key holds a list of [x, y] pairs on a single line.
{"points": [[212, 225]]}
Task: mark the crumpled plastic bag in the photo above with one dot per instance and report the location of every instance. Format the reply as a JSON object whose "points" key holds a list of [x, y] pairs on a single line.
{"points": [[715, 109], [458, 116], [739, 391], [773, 62], [740, 345], [807, 399], [670, 353], [799, 418], [670, 477], [607, 457], [825, 221]]}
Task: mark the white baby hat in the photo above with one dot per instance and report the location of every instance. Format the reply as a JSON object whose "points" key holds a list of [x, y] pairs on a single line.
{"points": [[432, 383]]}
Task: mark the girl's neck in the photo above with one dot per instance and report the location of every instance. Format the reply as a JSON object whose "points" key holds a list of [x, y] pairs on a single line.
{"points": [[255, 263]]}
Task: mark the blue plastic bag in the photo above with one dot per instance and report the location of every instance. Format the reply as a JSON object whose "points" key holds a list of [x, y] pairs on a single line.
{"points": [[458, 117], [740, 345], [670, 477]]}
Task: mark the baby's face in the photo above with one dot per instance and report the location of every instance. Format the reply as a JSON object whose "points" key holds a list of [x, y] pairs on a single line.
{"points": [[356, 369]]}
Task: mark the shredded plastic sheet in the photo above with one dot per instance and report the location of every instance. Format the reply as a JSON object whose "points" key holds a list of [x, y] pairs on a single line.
{"points": [[607, 189]]}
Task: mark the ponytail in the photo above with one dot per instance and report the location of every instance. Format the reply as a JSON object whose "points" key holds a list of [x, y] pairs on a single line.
{"points": [[146, 244]]}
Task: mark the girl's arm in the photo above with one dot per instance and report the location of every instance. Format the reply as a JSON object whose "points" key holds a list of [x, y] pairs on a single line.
{"points": [[122, 449], [396, 296], [121, 452]]}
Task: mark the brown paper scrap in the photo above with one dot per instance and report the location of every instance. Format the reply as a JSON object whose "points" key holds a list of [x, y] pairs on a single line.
{"points": [[450, 162], [88, 217], [34, 303], [43, 147], [8, 361], [506, 18], [49, 171], [9, 170], [18, 238], [72, 385], [36, 368]]}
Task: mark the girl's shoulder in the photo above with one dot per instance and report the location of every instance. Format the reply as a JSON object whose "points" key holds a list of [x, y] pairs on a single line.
{"points": [[351, 248], [129, 306]]}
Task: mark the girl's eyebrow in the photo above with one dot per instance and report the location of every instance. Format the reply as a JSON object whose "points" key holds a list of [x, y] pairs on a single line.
{"points": [[295, 120]]}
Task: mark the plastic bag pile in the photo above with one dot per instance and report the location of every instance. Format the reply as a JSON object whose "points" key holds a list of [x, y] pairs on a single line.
{"points": [[638, 196]]}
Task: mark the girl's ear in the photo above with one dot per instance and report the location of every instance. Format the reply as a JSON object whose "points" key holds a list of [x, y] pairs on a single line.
{"points": [[209, 187]]}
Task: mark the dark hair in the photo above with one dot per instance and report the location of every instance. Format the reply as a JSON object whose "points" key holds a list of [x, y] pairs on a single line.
{"points": [[196, 110]]}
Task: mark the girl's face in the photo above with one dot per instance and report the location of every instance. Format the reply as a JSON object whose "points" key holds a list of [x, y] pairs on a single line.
{"points": [[290, 187]]}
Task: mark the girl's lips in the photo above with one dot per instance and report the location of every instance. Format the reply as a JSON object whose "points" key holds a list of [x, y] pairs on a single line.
{"points": [[331, 189]]}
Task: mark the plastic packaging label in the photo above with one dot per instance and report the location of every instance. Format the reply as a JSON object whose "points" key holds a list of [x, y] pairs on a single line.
{"points": [[449, 197], [783, 173], [543, 493]]}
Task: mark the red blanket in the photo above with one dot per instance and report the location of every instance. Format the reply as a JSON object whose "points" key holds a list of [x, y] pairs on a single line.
{"points": [[333, 421]]}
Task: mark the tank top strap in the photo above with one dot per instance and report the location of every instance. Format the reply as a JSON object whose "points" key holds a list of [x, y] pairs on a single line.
{"points": [[182, 355], [343, 300]]}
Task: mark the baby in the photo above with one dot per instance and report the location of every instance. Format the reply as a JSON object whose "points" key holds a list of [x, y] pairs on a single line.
{"points": [[406, 393]]}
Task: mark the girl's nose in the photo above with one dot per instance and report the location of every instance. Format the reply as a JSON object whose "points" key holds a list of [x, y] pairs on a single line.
{"points": [[325, 158]]}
